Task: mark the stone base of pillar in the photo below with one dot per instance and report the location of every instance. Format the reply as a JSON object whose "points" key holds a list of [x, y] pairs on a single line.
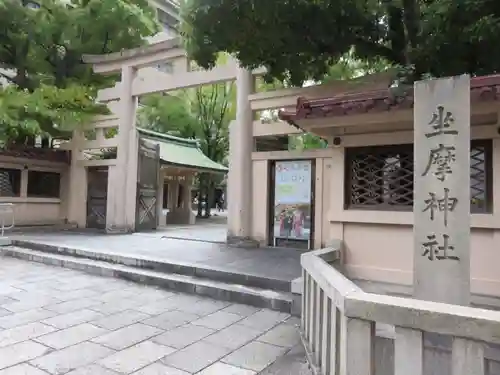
{"points": [[243, 242], [118, 230], [5, 241]]}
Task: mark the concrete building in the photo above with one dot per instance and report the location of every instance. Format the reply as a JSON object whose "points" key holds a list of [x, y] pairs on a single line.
{"points": [[168, 15]]}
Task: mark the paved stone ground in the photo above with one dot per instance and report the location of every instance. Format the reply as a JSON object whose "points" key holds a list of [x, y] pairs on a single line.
{"points": [[205, 232], [283, 264], [59, 321], [211, 229]]}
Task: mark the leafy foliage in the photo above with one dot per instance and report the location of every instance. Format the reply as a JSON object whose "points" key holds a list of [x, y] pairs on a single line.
{"points": [[48, 88], [302, 39], [168, 114], [24, 112], [349, 67], [306, 141]]}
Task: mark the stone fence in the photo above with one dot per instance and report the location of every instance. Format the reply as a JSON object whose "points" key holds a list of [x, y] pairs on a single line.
{"points": [[343, 329]]}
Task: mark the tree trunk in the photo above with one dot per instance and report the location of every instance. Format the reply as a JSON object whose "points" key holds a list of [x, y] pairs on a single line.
{"points": [[210, 196], [201, 192]]}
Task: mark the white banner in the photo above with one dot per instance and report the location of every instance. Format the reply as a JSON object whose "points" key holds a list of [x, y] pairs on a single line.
{"points": [[293, 182]]}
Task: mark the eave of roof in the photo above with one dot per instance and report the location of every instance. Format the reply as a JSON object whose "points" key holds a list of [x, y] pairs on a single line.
{"points": [[35, 153], [167, 137], [181, 152], [483, 89]]}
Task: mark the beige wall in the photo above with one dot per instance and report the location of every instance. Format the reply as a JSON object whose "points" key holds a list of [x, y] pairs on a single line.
{"points": [[37, 211], [379, 244]]}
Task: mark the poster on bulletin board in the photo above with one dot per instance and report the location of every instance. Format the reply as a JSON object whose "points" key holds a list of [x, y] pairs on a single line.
{"points": [[292, 200]]}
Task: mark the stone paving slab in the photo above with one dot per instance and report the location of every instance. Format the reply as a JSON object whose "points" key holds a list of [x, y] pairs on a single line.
{"points": [[88, 325], [223, 368], [23, 333], [22, 369], [211, 233], [255, 356]]}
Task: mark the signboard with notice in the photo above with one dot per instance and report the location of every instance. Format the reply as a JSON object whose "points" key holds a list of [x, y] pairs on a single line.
{"points": [[293, 202]]}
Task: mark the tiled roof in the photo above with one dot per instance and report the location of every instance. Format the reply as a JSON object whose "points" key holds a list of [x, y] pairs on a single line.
{"points": [[181, 152], [483, 89], [49, 154]]}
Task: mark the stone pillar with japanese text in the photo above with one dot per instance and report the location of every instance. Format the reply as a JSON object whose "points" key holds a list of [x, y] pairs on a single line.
{"points": [[442, 190]]}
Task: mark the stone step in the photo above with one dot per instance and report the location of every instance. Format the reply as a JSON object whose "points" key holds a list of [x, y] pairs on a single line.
{"points": [[163, 265], [265, 298], [34, 228]]}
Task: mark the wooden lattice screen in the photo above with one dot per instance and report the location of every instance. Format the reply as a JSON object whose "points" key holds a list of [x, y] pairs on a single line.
{"points": [[381, 177]]}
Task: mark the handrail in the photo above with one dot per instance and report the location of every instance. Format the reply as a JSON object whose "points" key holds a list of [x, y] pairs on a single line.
{"points": [[6, 209], [338, 320], [468, 322]]}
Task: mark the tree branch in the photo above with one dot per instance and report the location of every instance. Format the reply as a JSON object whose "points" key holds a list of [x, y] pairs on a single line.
{"points": [[223, 110], [104, 48], [7, 77], [372, 49]]}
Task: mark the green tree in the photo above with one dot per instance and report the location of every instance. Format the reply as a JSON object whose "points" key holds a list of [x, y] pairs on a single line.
{"points": [[48, 88], [301, 39], [305, 141], [214, 108], [349, 66], [204, 114], [169, 114]]}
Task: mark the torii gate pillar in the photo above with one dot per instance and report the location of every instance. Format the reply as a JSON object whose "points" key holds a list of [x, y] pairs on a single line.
{"points": [[123, 178], [239, 196]]}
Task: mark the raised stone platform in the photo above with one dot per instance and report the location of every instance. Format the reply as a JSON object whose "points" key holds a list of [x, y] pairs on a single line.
{"points": [[260, 277]]}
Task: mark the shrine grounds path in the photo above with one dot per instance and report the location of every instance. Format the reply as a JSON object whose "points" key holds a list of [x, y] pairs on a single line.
{"points": [[60, 321]]}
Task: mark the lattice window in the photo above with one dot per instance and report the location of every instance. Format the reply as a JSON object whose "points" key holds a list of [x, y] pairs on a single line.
{"points": [[10, 182], [481, 177], [44, 184], [382, 177]]}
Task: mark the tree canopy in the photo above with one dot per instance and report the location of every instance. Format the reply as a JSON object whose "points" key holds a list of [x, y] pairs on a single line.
{"points": [[47, 88], [301, 39]]}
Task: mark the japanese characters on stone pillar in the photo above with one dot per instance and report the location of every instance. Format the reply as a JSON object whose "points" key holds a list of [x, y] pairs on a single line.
{"points": [[442, 190]]}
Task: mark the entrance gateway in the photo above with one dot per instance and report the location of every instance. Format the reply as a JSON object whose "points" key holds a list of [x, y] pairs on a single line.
{"points": [[138, 78]]}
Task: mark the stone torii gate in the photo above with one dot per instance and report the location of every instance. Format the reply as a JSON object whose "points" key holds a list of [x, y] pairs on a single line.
{"points": [[139, 76]]}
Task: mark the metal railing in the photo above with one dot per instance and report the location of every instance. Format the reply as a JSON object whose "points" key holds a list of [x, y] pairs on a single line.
{"points": [[7, 217], [338, 328]]}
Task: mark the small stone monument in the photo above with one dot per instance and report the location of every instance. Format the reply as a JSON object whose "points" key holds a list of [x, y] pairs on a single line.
{"points": [[6, 222], [442, 190]]}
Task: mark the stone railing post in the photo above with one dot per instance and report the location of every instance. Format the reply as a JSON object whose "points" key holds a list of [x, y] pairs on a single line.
{"points": [[357, 346], [408, 352], [467, 357]]}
